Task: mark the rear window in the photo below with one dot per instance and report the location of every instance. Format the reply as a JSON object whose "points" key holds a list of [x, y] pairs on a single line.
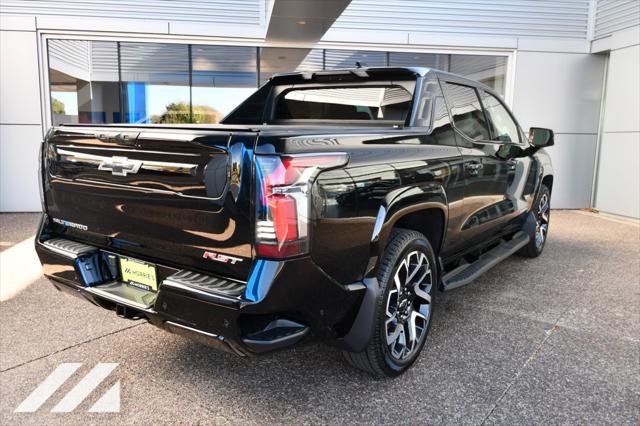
{"points": [[365, 103]]}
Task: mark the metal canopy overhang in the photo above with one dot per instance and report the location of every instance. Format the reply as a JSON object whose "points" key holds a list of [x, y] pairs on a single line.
{"points": [[303, 21]]}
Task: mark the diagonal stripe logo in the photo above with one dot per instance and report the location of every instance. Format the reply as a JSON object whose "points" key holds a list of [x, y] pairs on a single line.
{"points": [[108, 403]]}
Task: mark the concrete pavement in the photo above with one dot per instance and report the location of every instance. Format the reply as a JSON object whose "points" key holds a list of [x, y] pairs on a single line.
{"points": [[554, 340]]}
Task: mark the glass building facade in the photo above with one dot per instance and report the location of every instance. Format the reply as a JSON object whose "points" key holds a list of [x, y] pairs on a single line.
{"points": [[133, 82]]}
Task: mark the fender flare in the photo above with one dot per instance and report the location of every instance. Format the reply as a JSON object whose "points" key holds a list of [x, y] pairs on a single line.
{"points": [[398, 204]]}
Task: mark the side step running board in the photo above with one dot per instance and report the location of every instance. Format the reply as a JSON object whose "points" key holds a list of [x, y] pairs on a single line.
{"points": [[464, 274]]}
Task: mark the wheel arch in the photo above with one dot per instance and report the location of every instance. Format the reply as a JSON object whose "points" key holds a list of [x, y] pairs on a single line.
{"points": [[415, 209], [429, 221], [548, 181], [400, 207]]}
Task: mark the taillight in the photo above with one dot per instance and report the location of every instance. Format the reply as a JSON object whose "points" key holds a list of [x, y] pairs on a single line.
{"points": [[282, 201]]}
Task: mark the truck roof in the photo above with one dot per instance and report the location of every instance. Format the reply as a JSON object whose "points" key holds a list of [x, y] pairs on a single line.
{"points": [[387, 72]]}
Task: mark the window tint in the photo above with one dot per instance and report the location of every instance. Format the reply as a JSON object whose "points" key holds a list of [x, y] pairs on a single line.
{"points": [[344, 103], [502, 125], [433, 112], [466, 111]]}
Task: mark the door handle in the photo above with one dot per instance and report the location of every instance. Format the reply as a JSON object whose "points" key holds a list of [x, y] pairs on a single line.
{"points": [[473, 168]]}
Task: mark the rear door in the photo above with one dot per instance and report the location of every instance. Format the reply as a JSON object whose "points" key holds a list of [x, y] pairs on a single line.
{"points": [[160, 194], [486, 204]]}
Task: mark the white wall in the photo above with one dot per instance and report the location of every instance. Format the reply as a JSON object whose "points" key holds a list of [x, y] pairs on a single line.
{"points": [[563, 91], [246, 18], [405, 19], [618, 181], [612, 16], [20, 118]]}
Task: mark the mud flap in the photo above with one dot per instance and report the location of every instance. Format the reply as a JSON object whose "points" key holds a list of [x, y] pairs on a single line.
{"points": [[361, 331]]}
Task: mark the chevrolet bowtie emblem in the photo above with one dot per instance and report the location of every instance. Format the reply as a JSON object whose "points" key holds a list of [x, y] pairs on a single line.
{"points": [[120, 166]]}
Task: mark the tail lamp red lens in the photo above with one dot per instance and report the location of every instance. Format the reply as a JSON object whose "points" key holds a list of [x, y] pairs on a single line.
{"points": [[283, 206]]}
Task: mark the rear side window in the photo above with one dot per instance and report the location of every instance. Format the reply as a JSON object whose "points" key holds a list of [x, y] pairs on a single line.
{"points": [[366, 103], [433, 112], [466, 111], [503, 127]]}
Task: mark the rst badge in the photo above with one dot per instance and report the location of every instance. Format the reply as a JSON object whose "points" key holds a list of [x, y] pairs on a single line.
{"points": [[222, 258]]}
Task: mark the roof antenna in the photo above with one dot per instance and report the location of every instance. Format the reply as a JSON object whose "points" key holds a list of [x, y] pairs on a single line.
{"points": [[361, 64]]}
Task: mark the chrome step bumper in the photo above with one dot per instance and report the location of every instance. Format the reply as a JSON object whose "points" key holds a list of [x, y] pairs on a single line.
{"points": [[97, 272], [220, 289], [203, 307], [68, 248]]}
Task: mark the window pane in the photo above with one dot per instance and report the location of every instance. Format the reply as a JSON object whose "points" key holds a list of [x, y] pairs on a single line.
{"points": [[155, 82], [222, 77], [427, 60], [347, 58], [345, 103], [503, 126], [466, 111], [83, 77], [434, 113], [489, 70], [275, 60]]}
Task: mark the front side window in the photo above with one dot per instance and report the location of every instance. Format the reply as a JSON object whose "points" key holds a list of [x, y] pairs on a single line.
{"points": [[466, 111], [502, 125], [366, 103]]}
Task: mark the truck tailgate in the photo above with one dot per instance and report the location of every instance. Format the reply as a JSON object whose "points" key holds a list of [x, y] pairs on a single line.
{"points": [[160, 194]]}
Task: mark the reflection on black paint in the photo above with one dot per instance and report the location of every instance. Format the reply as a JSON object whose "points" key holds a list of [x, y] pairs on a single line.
{"points": [[490, 213]]}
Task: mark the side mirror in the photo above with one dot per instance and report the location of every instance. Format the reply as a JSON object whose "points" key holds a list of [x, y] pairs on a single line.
{"points": [[540, 137]]}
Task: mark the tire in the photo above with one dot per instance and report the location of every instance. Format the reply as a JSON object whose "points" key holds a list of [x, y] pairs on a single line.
{"points": [[402, 311], [538, 236]]}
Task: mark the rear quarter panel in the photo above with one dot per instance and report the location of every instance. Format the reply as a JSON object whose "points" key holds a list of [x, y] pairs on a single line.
{"points": [[395, 170]]}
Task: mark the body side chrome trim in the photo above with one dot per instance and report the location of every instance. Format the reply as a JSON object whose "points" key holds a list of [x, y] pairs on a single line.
{"points": [[96, 148]]}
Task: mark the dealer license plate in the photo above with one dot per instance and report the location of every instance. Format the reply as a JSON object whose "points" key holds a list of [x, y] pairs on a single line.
{"points": [[138, 273]]}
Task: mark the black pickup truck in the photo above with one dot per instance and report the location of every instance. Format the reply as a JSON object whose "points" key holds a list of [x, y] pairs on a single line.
{"points": [[329, 205]]}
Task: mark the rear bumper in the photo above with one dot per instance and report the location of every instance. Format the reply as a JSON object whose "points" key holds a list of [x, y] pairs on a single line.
{"points": [[283, 303]]}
